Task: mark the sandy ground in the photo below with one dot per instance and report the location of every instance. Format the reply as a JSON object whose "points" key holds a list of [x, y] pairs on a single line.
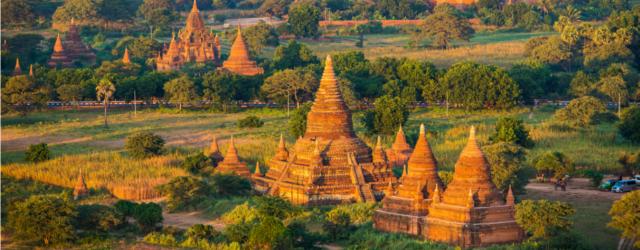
{"points": [[188, 219], [577, 189]]}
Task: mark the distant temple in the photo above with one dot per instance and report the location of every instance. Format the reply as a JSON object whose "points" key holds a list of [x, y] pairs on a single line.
{"points": [[193, 44], [329, 164], [71, 50], [470, 212], [239, 61], [232, 164], [400, 150]]}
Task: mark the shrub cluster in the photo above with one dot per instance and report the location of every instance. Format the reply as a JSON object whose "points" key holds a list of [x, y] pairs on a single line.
{"points": [[251, 121], [144, 144]]}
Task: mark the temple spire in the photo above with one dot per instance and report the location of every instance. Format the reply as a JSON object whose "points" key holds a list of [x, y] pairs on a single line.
{"points": [[511, 200], [125, 58], [378, 152], [389, 189], [80, 189], [17, 70], [283, 153], [194, 8], [57, 47], [436, 194], [422, 159], [232, 153], [256, 172]]}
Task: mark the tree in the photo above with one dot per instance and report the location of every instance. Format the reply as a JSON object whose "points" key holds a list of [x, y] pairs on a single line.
{"points": [[147, 215], [197, 163], [582, 84], [625, 216], [304, 19], [511, 130], [83, 10], [629, 126], [553, 51], [507, 161], [581, 112], [337, 224], [70, 93], [388, 114], [104, 91], [157, 13], [298, 120], [615, 88], [229, 185], [260, 35], [37, 153], [276, 8], [443, 27], [219, 87], [45, 218], [184, 192], [292, 55], [144, 144], [554, 163], [269, 233], [274, 206], [417, 75], [96, 217], [199, 232], [534, 80], [181, 90], [22, 94], [114, 10], [296, 83], [140, 47], [17, 13], [354, 67], [542, 218]]}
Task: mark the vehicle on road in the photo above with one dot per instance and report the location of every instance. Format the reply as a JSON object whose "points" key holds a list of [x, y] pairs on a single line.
{"points": [[624, 186], [607, 185]]}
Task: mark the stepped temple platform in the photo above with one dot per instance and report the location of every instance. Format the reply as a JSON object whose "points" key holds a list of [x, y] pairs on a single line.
{"points": [[470, 212], [329, 164]]}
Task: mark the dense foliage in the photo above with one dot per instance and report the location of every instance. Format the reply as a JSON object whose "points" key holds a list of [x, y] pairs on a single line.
{"points": [[543, 219], [44, 218], [629, 126], [508, 169], [582, 112], [511, 130], [251, 121], [553, 164], [298, 120], [388, 114], [144, 144], [625, 216], [38, 152]]}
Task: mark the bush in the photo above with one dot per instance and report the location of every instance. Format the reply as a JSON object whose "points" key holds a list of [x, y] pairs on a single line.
{"points": [[162, 239], [197, 163], [595, 176], [629, 126], [251, 121], [184, 192], [508, 168], [229, 185], [44, 218], [542, 218], [125, 208], [513, 131], [388, 114], [37, 153], [199, 232], [553, 162], [581, 112], [337, 224], [144, 144], [298, 120], [147, 215], [240, 214], [98, 217], [358, 213], [445, 176], [269, 233], [624, 216]]}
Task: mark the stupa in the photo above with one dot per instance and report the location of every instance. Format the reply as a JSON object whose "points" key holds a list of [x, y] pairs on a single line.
{"points": [[329, 164], [232, 164], [239, 61], [59, 57], [80, 189], [400, 150], [75, 48], [193, 44], [17, 70], [404, 209], [125, 57], [214, 152]]}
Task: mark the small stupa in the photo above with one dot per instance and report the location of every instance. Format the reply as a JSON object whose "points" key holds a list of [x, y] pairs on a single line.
{"points": [[59, 57], [400, 150], [17, 70], [80, 189], [214, 152], [405, 209], [125, 57], [239, 61], [232, 164], [329, 164]]}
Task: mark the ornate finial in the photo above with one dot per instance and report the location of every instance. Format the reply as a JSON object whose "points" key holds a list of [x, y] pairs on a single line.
{"points": [[471, 202], [422, 128], [472, 133], [436, 194], [57, 47], [194, 8], [511, 200], [379, 143], [328, 62], [406, 171], [283, 153]]}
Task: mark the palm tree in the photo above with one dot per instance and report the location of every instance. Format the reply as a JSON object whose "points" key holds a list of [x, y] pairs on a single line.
{"points": [[572, 13], [104, 91]]}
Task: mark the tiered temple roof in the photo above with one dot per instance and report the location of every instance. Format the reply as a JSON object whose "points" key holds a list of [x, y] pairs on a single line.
{"points": [[232, 163], [403, 210], [400, 150], [193, 44], [239, 61], [471, 212], [75, 48], [329, 164], [59, 57]]}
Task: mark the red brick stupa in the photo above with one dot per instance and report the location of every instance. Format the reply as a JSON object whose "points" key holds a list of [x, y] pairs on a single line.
{"points": [[193, 44], [75, 48], [232, 164], [329, 164], [400, 150], [125, 57], [404, 209], [59, 58], [239, 61]]}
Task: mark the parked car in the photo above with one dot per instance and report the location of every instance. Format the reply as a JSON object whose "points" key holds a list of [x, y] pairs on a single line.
{"points": [[624, 186], [607, 185], [637, 178]]}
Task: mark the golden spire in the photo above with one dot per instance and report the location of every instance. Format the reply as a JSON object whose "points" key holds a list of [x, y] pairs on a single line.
{"points": [[125, 58], [256, 172], [232, 153], [378, 152], [283, 153], [422, 159], [17, 70], [436, 194], [214, 145], [57, 47], [194, 8]]}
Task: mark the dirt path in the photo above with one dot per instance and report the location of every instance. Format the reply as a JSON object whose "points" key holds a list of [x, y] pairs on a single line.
{"points": [[578, 189], [188, 219]]}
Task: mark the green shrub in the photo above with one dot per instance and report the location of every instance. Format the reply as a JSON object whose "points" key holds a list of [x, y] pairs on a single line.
{"points": [[199, 232], [358, 213], [582, 112], [125, 208], [251, 121], [595, 177], [144, 144], [445, 176], [298, 120], [553, 162], [544, 219], [269, 233], [242, 213], [197, 163], [629, 126], [38, 152], [229, 185], [44, 218], [388, 114], [98, 217], [147, 215], [511, 130], [184, 192], [159, 238]]}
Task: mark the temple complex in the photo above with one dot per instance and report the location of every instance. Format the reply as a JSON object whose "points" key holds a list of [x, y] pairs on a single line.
{"points": [[232, 164], [400, 150], [80, 189], [239, 61], [329, 164], [470, 212], [193, 44], [17, 70], [404, 209], [59, 57]]}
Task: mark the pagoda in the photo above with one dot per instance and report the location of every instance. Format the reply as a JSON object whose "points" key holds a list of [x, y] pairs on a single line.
{"points": [[193, 44], [214, 152], [59, 57], [329, 164], [232, 164], [80, 189], [400, 150], [75, 48], [404, 209], [17, 70], [125, 57], [239, 61]]}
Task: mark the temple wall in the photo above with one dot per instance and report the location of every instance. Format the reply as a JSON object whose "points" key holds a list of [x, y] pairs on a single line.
{"points": [[397, 223]]}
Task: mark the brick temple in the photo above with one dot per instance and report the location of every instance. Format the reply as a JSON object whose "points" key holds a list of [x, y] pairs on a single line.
{"points": [[71, 50], [329, 164], [239, 61], [59, 57], [470, 212], [231, 162], [400, 150], [193, 44]]}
